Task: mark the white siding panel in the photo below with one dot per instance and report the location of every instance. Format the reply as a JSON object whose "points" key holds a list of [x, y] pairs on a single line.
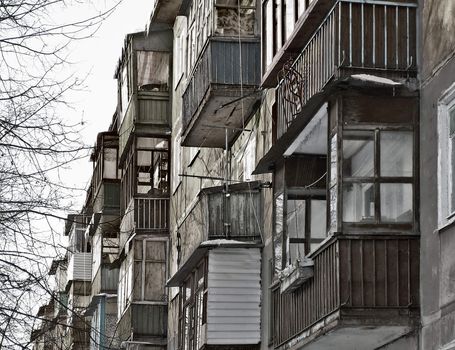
{"points": [[234, 296], [80, 267]]}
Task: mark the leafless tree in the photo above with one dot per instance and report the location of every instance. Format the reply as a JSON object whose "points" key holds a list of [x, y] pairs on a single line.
{"points": [[35, 142]]}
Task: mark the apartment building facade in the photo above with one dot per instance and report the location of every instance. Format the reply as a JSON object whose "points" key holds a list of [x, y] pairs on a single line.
{"points": [[268, 181]]}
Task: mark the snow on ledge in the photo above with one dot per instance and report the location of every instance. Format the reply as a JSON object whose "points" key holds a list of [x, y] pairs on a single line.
{"points": [[375, 79], [214, 242]]}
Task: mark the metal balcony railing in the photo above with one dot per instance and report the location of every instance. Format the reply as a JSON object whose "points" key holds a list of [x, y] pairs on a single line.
{"points": [[375, 37]]}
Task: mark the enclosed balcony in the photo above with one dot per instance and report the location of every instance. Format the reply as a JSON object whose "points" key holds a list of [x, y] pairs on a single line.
{"points": [[145, 188], [364, 288], [143, 77], [224, 74], [220, 291], [357, 39], [80, 267], [142, 296]]}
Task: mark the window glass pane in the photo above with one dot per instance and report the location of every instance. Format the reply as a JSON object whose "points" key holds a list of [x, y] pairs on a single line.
{"points": [[278, 239], [358, 202], [296, 252], [268, 40], [396, 153], [228, 21], [296, 218], [318, 219], [152, 70], [358, 155], [396, 202]]}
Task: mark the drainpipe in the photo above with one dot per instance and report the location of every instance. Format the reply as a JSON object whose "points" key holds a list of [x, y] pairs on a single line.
{"points": [[102, 322]]}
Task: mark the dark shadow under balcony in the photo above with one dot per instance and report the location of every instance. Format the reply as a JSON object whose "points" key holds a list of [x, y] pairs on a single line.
{"points": [[221, 92]]}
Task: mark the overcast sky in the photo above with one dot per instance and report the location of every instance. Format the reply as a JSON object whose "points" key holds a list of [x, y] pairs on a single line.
{"points": [[98, 58]]}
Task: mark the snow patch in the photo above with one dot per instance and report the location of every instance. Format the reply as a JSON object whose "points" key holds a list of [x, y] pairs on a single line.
{"points": [[223, 242], [375, 79]]}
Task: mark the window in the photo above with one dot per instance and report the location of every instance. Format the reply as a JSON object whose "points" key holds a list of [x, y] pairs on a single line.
{"points": [[176, 161], [377, 176], [235, 17], [193, 304], [300, 223], [305, 226], [179, 49], [446, 156]]}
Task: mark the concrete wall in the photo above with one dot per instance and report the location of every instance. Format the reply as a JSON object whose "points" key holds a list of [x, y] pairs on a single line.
{"points": [[185, 212], [437, 257]]}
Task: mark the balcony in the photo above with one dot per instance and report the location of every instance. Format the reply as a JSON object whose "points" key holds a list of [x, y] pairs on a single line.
{"points": [[105, 280], [364, 283], [355, 38], [146, 322], [80, 267], [147, 111], [221, 92]]}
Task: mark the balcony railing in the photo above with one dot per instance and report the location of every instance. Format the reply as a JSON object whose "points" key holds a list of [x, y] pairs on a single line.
{"points": [[368, 275], [355, 37], [221, 90], [145, 213]]}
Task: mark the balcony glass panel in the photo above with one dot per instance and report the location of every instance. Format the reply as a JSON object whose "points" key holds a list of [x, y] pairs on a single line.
{"points": [[396, 153], [152, 71], [235, 17], [358, 155], [358, 202], [396, 202]]}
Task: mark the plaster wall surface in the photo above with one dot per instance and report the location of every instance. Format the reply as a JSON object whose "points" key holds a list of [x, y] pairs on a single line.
{"points": [[437, 259]]}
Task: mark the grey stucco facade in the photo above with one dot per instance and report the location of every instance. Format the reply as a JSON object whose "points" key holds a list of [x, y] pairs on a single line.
{"points": [[437, 258]]}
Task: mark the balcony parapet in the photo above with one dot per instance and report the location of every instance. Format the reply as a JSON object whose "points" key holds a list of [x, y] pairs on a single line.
{"points": [[221, 91], [357, 282]]}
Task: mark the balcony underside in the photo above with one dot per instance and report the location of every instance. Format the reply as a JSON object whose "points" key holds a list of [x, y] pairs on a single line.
{"points": [[366, 329], [223, 108]]}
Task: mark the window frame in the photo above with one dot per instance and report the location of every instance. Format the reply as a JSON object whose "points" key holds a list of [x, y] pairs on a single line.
{"points": [[446, 103], [377, 180]]}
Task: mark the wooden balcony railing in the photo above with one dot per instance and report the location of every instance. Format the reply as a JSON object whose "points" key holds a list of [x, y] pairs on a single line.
{"points": [[355, 37], [238, 216], [366, 274]]}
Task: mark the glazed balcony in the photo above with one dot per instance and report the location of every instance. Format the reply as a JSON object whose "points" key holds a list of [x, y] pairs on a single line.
{"points": [[360, 282], [374, 38], [221, 91], [143, 77]]}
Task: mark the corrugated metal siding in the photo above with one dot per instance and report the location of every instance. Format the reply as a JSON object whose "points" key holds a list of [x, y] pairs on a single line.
{"points": [[234, 296], [226, 62], [80, 267], [154, 107]]}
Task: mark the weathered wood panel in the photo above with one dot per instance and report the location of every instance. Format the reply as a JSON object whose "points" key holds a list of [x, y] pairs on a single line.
{"points": [[234, 296], [237, 216]]}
